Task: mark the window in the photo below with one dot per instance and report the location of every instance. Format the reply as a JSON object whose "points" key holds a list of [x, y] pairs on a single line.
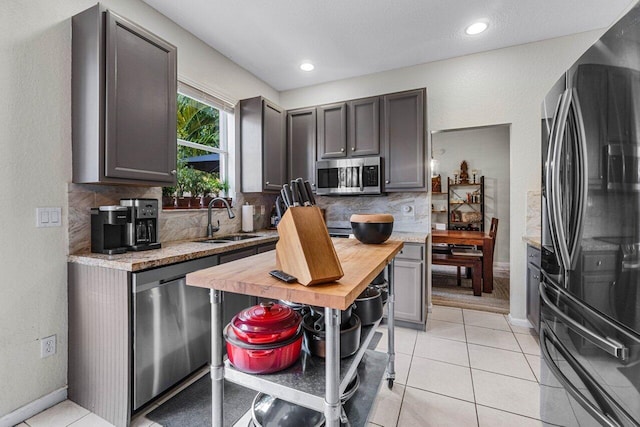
{"points": [[203, 155]]}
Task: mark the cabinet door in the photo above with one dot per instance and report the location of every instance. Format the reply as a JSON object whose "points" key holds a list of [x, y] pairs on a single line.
{"points": [[301, 138], [533, 295], [332, 130], [274, 154], [403, 140], [364, 127], [407, 276], [140, 126]]}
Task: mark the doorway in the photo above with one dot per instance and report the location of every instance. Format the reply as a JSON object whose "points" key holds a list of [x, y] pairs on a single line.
{"points": [[486, 151]]}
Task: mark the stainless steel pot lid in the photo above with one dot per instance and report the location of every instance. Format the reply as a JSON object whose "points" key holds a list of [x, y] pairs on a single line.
{"points": [[267, 411]]}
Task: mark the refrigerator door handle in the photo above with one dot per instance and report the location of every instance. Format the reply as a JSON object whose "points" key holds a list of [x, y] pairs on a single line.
{"points": [[607, 344], [552, 179], [582, 181], [592, 386]]}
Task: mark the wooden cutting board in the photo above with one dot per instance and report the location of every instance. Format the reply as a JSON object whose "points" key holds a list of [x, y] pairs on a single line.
{"points": [[361, 263]]}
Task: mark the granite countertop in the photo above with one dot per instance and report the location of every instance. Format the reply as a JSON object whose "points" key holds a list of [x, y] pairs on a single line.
{"points": [[533, 241], [410, 236], [170, 253], [180, 251]]}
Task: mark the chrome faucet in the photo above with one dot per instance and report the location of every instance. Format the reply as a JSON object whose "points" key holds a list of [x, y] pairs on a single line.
{"points": [[210, 228]]}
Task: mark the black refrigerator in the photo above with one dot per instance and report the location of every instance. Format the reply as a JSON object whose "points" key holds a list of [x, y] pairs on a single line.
{"points": [[589, 290]]}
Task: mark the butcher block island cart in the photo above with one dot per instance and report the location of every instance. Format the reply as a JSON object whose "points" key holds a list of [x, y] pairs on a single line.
{"points": [[361, 264]]}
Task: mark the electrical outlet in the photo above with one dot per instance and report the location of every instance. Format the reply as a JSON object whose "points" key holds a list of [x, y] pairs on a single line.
{"points": [[48, 346], [408, 210]]}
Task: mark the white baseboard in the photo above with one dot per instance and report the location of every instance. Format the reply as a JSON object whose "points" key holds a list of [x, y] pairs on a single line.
{"points": [[30, 409], [523, 323]]}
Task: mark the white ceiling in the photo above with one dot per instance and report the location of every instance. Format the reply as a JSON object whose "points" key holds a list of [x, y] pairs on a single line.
{"points": [[347, 38]]}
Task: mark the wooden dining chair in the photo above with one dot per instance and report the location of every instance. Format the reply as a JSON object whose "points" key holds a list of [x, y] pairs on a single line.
{"points": [[493, 231]]}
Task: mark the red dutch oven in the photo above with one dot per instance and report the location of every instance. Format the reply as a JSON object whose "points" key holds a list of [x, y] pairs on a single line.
{"points": [[264, 338]]}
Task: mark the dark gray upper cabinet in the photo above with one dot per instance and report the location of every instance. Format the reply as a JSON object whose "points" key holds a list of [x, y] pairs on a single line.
{"points": [[301, 138], [364, 127], [403, 137], [124, 90], [332, 130], [263, 145]]}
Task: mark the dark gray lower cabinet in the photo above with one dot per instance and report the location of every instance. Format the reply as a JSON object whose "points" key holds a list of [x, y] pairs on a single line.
{"points": [[409, 280], [533, 283], [403, 139]]}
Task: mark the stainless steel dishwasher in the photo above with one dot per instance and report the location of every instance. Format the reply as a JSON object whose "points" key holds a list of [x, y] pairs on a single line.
{"points": [[171, 328]]}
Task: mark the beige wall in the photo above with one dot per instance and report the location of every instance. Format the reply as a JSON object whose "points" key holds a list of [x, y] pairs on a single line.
{"points": [[35, 168], [504, 86]]}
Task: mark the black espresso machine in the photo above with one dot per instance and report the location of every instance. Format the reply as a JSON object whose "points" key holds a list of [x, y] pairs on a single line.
{"points": [[108, 225], [141, 232]]}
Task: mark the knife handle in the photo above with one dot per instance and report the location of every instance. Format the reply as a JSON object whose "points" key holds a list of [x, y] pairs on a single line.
{"points": [[294, 193], [279, 207], [307, 186], [304, 197], [287, 195]]}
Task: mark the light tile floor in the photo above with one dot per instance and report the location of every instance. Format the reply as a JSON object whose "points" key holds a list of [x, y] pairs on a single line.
{"points": [[469, 368]]}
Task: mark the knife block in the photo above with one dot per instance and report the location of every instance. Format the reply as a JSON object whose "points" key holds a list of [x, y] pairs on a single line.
{"points": [[305, 249]]}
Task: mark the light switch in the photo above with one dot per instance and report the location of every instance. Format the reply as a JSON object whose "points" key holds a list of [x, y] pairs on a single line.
{"points": [[54, 217], [48, 217]]}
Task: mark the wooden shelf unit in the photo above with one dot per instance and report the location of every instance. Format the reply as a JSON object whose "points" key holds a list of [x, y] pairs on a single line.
{"points": [[458, 203]]}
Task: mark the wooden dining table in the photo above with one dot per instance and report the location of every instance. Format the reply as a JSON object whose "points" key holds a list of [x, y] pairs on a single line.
{"points": [[477, 238]]}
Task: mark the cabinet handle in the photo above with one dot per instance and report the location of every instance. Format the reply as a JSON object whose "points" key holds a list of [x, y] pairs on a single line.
{"points": [[599, 263], [267, 183], [173, 172], [353, 148], [387, 181], [536, 277], [342, 150]]}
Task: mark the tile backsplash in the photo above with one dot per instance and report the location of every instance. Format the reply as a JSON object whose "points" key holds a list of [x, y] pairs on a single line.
{"points": [[174, 225], [338, 210]]}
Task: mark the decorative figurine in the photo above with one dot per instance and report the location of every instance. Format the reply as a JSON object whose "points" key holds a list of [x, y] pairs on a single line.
{"points": [[464, 176]]}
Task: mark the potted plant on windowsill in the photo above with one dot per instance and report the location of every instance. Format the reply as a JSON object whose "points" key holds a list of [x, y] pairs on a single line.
{"points": [[194, 185], [222, 187], [181, 184], [209, 189], [168, 197]]}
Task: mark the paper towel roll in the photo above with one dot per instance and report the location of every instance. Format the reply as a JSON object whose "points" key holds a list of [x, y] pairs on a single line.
{"points": [[247, 217]]}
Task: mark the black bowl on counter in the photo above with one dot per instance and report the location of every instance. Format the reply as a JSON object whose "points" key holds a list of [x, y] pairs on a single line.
{"points": [[372, 228]]}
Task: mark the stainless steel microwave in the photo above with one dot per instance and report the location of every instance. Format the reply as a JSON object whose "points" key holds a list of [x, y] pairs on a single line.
{"points": [[622, 167], [361, 175]]}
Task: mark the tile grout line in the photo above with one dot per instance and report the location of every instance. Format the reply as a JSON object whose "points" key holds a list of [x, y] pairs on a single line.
{"points": [[473, 389]]}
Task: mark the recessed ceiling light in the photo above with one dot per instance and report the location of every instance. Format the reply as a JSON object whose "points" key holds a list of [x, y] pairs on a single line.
{"points": [[306, 66], [476, 28]]}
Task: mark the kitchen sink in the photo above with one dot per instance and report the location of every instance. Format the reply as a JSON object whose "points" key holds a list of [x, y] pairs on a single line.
{"points": [[227, 239]]}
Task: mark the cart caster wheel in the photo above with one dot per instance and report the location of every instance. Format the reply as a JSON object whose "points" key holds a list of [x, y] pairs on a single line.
{"points": [[390, 383]]}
